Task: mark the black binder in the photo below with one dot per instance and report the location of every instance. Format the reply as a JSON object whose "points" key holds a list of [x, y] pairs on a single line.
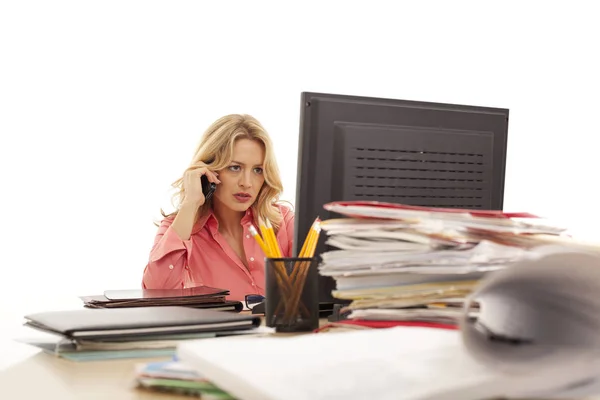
{"points": [[136, 322]]}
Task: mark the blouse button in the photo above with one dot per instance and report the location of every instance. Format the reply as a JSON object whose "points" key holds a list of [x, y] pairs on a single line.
{"points": [[170, 266], [247, 236], [251, 258]]}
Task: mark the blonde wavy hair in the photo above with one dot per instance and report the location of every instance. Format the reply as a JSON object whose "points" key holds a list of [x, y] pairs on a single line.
{"points": [[215, 150]]}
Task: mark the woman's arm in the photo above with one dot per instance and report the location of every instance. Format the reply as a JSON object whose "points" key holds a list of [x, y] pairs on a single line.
{"points": [[168, 258], [184, 220], [172, 245]]}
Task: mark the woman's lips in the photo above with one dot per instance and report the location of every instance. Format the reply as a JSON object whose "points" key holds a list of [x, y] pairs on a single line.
{"points": [[242, 197]]}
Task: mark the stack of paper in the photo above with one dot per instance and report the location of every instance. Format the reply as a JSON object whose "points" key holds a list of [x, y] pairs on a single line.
{"points": [[405, 263], [535, 337]]}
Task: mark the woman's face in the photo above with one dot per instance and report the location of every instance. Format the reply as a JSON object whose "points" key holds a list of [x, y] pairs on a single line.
{"points": [[242, 180]]}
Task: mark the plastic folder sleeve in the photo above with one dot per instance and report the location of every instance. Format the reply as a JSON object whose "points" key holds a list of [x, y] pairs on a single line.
{"points": [[169, 254]]}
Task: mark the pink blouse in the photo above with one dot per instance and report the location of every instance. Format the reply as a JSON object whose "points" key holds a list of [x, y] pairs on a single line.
{"points": [[207, 259]]}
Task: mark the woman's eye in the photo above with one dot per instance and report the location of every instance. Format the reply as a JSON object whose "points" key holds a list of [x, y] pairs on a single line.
{"points": [[258, 170], [234, 168]]}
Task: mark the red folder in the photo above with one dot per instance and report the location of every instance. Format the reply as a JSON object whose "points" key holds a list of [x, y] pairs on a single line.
{"points": [[388, 324]]}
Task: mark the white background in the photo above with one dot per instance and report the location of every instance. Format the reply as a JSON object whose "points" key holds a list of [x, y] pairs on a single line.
{"points": [[102, 103]]}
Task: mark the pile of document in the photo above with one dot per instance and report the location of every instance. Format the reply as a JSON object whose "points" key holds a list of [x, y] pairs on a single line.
{"points": [[134, 332], [536, 337], [394, 262]]}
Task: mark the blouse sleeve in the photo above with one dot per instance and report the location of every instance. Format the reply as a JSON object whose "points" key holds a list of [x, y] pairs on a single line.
{"points": [[168, 258]]}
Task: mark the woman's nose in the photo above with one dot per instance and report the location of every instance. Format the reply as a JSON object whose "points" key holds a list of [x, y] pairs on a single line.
{"points": [[245, 181]]}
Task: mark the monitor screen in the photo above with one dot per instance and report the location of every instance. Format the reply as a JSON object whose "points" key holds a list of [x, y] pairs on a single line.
{"points": [[410, 152]]}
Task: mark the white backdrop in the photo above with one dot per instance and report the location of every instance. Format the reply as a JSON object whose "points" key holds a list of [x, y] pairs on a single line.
{"points": [[102, 103]]}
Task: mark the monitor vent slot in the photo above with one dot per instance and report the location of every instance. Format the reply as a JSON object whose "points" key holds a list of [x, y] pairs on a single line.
{"points": [[427, 178]]}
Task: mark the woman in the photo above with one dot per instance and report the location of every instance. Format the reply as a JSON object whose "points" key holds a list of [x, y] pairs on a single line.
{"points": [[209, 242]]}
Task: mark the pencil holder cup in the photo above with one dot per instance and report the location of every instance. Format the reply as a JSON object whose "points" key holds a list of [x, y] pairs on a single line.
{"points": [[292, 297]]}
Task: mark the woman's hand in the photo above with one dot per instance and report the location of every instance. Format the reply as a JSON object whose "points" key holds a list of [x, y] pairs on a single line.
{"points": [[192, 184], [193, 199]]}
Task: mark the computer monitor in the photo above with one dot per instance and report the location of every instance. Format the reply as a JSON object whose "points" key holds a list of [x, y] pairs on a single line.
{"points": [[411, 152]]}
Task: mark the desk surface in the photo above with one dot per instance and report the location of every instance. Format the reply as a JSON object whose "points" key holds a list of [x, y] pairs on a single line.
{"points": [[45, 376], [29, 373]]}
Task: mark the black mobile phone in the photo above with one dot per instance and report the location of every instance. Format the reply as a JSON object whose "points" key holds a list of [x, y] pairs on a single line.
{"points": [[208, 188]]}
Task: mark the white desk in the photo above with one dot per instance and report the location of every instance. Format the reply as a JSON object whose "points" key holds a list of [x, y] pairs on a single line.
{"points": [[29, 373], [44, 376]]}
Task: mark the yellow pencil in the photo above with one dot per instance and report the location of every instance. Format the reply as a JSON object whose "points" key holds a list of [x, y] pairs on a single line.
{"points": [[313, 246], [271, 234], [259, 240], [265, 237], [310, 243], [300, 273]]}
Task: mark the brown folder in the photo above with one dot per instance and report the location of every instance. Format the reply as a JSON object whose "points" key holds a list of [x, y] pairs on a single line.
{"points": [[197, 297]]}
